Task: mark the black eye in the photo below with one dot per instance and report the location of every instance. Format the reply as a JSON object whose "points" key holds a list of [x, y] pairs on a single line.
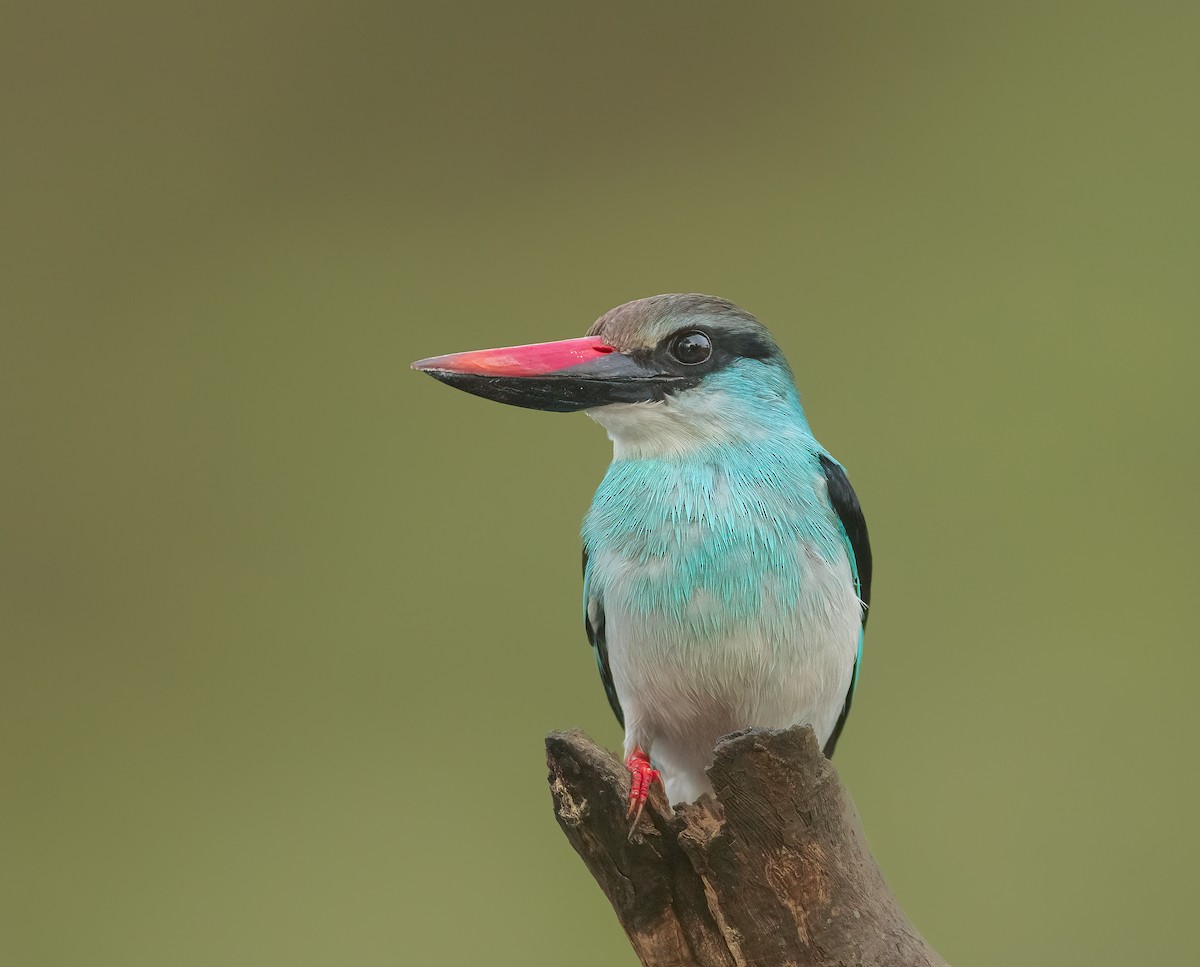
{"points": [[691, 348]]}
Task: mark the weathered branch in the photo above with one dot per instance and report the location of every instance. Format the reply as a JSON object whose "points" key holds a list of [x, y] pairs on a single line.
{"points": [[774, 872]]}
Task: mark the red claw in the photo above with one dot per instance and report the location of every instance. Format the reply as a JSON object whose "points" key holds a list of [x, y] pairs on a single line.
{"points": [[642, 775]]}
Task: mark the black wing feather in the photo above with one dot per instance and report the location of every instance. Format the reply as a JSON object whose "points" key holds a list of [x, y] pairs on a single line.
{"points": [[846, 506], [595, 633]]}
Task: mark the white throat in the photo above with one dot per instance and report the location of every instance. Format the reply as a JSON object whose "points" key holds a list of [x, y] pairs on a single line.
{"points": [[673, 427]]}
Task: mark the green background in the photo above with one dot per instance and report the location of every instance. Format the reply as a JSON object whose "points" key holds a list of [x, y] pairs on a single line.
{"points": [[283, 623]]}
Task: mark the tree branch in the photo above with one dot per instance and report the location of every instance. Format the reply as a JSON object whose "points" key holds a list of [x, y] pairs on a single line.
{"points": [[775, 871]]}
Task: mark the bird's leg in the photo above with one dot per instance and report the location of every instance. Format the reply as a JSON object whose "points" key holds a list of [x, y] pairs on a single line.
{"points": [[641, 775]]}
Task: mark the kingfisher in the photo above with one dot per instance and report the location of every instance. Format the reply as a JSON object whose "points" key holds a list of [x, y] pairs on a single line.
{"points": [[726, 562]]}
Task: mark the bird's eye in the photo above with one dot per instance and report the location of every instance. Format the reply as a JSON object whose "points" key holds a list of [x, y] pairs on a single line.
{"points": [[691, 348]]}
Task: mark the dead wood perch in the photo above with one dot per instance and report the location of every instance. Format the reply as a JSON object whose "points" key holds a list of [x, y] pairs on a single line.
{"points": [[774, 872]]}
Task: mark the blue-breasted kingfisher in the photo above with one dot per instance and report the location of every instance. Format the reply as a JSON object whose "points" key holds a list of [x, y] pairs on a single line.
{"points": [[726, 563]]}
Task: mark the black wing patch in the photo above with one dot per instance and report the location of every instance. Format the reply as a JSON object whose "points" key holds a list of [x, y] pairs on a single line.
{"points": [[845, 505], [593, 623]]}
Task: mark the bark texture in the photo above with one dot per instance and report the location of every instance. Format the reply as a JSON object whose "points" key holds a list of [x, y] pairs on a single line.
{"points": [[774, 871]]}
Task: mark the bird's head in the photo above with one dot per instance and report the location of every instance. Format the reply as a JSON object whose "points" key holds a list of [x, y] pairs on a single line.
{"points": [[664, 375]]}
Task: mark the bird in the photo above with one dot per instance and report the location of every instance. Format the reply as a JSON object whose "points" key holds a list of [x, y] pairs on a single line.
{"points": [[726, 561]]}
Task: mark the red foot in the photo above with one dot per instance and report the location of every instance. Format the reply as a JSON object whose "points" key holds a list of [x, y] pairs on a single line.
{"points": [[642, 774]]}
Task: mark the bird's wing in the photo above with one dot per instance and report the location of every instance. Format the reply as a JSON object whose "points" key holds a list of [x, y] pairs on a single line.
{"points": [[854, 526], [593, 623]]}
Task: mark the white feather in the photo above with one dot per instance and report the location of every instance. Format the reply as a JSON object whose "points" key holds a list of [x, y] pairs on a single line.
{"points": [[681, 696]]}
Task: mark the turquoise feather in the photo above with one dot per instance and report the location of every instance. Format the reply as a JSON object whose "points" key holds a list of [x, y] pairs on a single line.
{"points": [[722, 521]]}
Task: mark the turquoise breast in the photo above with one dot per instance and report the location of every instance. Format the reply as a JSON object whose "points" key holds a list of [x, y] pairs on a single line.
{"points": [[707, 544]]}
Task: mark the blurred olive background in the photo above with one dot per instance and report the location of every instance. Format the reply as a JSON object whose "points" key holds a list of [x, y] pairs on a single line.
{"points": [[284, 624]]}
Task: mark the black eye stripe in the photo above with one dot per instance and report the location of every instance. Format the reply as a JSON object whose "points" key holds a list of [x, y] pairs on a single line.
{"points": [[726, 346], [748, 344]]}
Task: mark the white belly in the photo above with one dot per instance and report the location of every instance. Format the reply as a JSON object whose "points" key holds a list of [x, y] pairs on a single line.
{"points": [[682, 689]]}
